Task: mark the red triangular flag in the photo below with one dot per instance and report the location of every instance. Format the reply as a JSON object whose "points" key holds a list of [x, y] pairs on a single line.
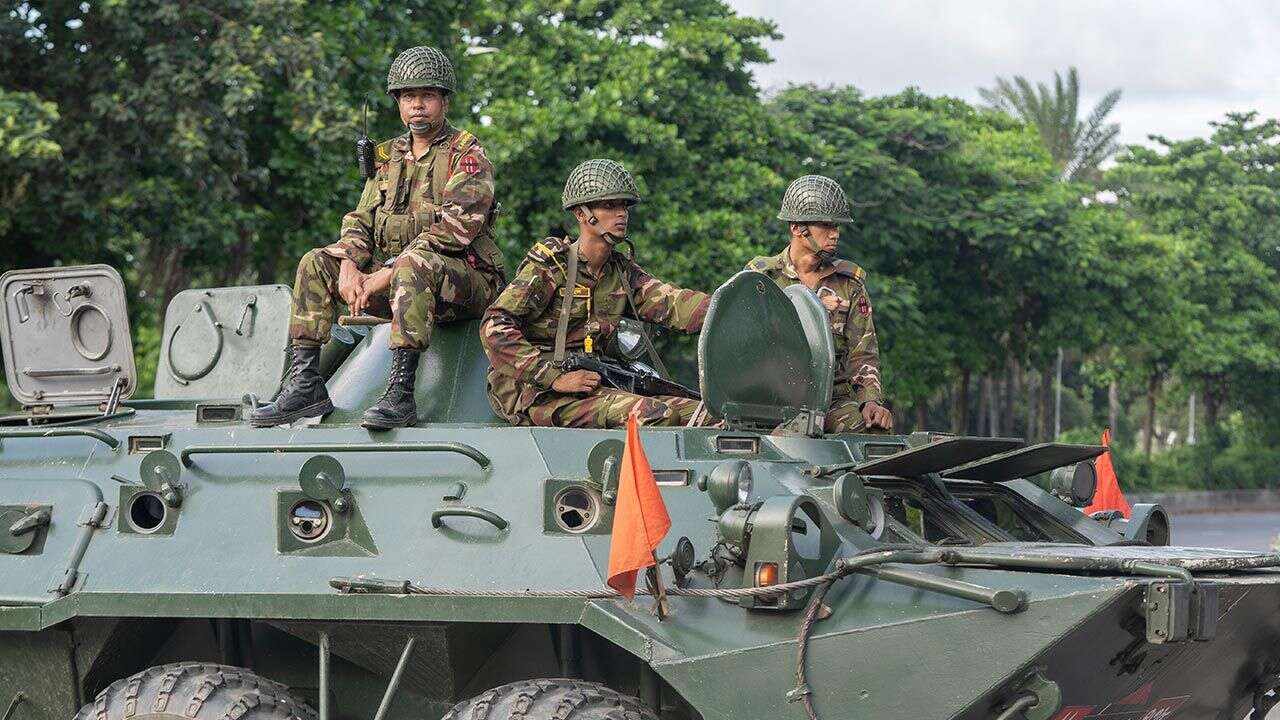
{"points": [[1108, 495], [640, 519]]}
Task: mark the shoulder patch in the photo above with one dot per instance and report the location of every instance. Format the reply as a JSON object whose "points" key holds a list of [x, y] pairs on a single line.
{"points": [[759, 263], [848, 269], [465, 153], [463, 141], [546, 250], [382, 153]]}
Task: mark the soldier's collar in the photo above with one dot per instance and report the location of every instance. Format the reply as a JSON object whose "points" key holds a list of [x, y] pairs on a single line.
{"points": [[402, 145], [789, 268]]}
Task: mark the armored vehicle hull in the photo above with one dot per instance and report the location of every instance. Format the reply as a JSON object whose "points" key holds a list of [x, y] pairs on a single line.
{"points": [[162, 558]]}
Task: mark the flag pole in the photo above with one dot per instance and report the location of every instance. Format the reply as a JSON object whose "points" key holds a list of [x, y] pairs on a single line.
{"points": [[653, 577]]}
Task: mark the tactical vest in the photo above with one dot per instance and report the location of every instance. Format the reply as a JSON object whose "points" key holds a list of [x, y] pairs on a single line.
{"points": [[394, 228]]}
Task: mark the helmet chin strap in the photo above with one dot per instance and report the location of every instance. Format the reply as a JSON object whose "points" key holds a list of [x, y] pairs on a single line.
{"points": [[421, 128], [825, 257], [608, 236]]}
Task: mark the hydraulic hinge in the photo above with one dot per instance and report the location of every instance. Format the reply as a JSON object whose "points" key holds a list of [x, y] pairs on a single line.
{"points": [[93, 517]]}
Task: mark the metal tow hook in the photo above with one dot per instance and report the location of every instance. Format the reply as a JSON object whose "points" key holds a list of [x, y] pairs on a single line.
{"points": [[1037, 698]]}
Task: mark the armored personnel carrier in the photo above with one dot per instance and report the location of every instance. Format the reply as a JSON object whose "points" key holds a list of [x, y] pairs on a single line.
{"points": [[162, 559]]}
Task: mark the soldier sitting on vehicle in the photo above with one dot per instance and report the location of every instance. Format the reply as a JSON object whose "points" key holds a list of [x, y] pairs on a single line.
{"points": [[568, 297], [815, 207], [418, 246]]}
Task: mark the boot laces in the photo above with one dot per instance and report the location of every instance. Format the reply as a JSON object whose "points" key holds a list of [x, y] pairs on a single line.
{"points": [[400, 368]]}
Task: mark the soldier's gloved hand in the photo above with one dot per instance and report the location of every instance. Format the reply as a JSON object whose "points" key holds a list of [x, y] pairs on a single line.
{"points": [[877, 416], [578, 381], [349, 281]]}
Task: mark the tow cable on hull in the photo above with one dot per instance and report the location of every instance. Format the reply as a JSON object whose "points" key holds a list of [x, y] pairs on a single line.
{"points": [[1190, 617]]}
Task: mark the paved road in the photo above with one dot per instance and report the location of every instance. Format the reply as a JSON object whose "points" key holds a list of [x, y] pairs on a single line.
{"points": [[1243, 530]]}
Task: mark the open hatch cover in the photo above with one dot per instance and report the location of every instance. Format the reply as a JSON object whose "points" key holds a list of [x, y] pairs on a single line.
{"points": [[1025, 462], [765, 356], [936, 456], [65, 335]]}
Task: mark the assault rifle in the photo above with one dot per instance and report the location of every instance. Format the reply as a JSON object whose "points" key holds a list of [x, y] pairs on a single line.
{"points": [[630, 377]]}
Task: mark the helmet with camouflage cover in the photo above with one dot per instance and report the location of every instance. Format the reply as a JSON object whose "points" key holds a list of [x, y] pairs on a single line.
{"points": [[596, 180], [421, 67], [814, 198]]}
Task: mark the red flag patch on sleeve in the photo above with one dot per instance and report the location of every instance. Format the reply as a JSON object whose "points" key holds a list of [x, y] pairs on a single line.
{"points": [[864, 306], [469, 164]]}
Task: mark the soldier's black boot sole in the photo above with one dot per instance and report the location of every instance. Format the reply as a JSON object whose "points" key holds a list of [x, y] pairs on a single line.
{"points": [[377, 418], [268, 416]]}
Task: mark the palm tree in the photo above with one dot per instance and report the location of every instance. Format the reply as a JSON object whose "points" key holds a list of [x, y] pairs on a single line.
{"points": [[1077, 147]]}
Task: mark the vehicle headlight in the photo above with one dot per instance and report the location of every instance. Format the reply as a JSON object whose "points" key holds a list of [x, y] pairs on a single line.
{"points": [[1075, 484], [730, 484]]}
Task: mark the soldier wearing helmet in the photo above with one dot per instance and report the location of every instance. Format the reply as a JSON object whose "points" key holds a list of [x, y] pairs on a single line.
{"points": [[418, 248], [568, 297], [815, 207]]}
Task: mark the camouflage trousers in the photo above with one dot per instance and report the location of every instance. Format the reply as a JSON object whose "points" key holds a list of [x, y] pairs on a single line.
{"points": [[426, 288], [603, 408]]}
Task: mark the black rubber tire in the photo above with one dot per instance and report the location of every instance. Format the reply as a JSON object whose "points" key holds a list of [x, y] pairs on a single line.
{"points": [[196, 691], [551, 699]]}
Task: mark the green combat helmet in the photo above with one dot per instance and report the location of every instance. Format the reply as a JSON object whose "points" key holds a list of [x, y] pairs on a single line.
{"points": [[596, 180], [420, 67], [814, 198]]}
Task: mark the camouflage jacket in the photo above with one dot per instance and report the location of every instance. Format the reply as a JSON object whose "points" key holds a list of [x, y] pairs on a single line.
{"points": [[519, 329], [857, 372], [440, 202]]}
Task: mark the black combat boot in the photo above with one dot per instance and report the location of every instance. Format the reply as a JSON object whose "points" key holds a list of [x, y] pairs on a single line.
{"points": [[397, 407], [302, 392]]}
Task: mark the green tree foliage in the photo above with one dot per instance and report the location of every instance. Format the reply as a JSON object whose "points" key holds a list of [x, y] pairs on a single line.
{"points": [[1078, 147], [202, 143], [659, 85], [26, 143], [1221, 199]]}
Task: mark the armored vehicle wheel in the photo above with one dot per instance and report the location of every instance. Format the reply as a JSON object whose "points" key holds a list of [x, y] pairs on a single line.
{"points": [[196, 690], [552, 699]]}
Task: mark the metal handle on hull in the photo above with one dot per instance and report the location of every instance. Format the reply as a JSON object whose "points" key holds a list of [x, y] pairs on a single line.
{"points": [[98, 435], [447, 447], [438, 515]]}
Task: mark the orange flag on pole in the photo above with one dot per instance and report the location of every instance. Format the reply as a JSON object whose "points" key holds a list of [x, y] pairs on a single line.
{"points": [[1108, 495], [640, 519]]}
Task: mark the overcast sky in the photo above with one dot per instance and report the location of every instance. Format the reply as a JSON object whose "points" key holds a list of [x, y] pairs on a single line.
{"points": [[1179, 63]]}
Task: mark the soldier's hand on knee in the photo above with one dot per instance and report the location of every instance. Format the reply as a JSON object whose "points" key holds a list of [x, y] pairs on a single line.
{"points": [[374, 283], [877, 416], [378, 281], [350, 280], [578, 381]]}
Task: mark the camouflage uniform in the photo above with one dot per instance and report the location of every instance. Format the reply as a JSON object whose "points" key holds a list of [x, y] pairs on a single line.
{"points": [[857, 371], [431, 218], [431, 215], [519, 333], [817, 199]]}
